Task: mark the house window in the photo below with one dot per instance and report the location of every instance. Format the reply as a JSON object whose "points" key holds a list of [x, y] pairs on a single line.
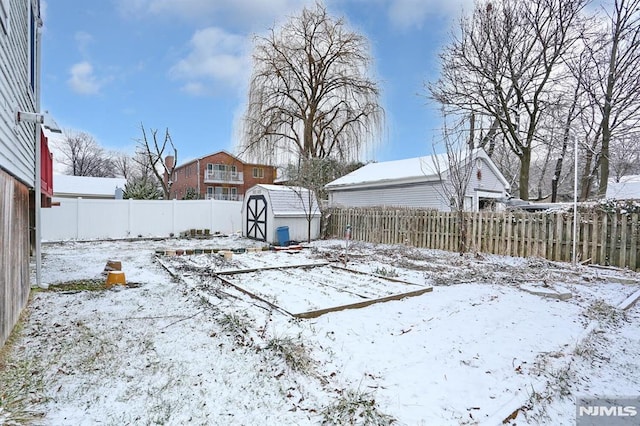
{"points": [[222, 168], [4, 15], [222, 193], [221, 172], [258, 172]]}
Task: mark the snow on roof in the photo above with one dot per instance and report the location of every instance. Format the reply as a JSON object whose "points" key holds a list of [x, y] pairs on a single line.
{"points": [[410, 169], [86, 186], [290, 200], [627, 189]]}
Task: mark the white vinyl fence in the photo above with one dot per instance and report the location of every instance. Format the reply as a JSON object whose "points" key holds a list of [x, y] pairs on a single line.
{"points": [[83, 219]]}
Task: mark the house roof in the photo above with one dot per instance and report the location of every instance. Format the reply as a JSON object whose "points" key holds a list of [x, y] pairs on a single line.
{"points": [[628, 188], [410, 170], [290, 200], [86, 186]]}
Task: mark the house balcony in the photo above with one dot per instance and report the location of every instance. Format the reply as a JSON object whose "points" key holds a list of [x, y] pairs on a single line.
{"points": [[219, 176], [224, 197]]}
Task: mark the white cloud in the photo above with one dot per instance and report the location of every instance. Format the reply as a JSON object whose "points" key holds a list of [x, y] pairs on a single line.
{"points": [[195, 88], [413, 13], [215, 57], [242, 13], [83, 39], [82, 79]]}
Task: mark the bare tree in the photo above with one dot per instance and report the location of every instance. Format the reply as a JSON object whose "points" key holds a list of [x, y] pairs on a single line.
{"points": [[308, 177], [123, 164], [151, 156], [505, 65], [613, 80], [455, 168], [309, 94], [624, 157], [83, 156]]}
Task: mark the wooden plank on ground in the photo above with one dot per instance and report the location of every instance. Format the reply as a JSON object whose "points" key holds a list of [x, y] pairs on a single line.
{"points": [[364, 304], [546, 292], [254, 296], [266, 268], [629, 301]]}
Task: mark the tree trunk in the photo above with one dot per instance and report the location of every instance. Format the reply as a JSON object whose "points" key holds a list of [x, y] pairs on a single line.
{"points": [[558, 170], [463, 232], [587, 177], [525, 165]]}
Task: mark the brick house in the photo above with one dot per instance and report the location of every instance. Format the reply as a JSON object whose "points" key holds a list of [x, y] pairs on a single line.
{"points": [[219, 176]]}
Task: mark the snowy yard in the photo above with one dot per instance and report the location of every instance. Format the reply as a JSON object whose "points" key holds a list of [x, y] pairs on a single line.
{"points": [[179, 346]]}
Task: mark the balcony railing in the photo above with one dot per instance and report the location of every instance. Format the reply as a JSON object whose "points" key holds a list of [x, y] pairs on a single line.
{"points": [[224, 197], [221, 176]]}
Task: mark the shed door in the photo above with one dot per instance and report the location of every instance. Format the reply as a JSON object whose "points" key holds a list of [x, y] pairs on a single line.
{"points": [[257, 217]]}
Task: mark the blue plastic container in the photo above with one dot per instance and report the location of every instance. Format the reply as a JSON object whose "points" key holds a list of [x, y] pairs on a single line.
{"points": [[283, 235]]}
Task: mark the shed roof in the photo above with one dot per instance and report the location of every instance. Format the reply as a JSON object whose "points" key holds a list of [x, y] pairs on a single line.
{"points": [[290, 200], [86, 186], [418, 169], [627, 189]]}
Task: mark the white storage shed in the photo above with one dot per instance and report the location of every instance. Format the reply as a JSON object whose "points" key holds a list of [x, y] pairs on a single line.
{"points": [[268, 209]]}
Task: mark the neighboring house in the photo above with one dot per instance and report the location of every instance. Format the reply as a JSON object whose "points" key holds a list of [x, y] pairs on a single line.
{"points": [[418, 182], [25, 161], [88, 187], [218, 176], [627, 188], [269, 207]]}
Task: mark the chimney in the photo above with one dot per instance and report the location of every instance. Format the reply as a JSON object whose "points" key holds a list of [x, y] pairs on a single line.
{"points": [[168, 161]]}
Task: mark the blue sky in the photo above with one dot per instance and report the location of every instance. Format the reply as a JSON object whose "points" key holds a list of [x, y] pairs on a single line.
{"points": [[109, 65]]}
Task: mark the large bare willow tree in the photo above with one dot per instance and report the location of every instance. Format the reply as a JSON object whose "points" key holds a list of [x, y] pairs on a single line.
{"points": [[310, 95]]}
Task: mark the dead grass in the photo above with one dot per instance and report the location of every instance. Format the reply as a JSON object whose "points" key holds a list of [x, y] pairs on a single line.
{"points": [[294, 353], [355, 408], [92, 284], [20, 382]]}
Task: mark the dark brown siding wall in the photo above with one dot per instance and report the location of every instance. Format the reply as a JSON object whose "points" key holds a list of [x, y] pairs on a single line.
{"points": [[14, 252]]}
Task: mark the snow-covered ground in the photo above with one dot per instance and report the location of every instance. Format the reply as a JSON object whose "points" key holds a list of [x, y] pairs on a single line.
{"points": [[177, 346]]}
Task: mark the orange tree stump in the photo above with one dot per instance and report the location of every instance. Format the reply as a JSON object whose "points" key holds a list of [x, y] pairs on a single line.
{"points": [[116, 278], [113, 265]]}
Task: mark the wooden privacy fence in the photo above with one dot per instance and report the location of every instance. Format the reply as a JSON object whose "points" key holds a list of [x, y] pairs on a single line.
{"points": [[14, 252], [602, 238]]}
